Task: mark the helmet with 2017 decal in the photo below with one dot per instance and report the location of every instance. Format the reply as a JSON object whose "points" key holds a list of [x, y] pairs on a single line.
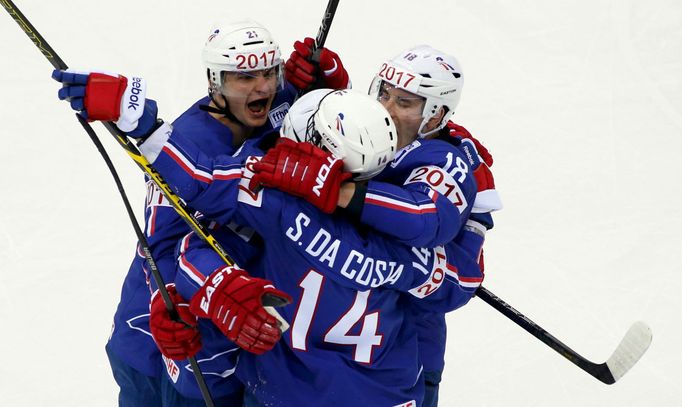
{"points": [[242, 47], [428, 73]]}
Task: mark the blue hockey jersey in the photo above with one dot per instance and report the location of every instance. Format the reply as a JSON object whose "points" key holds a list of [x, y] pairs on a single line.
{"points": [[350, 328], [130, 339], [425, 197], [428, 166]]}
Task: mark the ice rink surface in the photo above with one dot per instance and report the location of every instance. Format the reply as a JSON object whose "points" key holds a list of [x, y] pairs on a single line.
{"points": [[579, 101]]}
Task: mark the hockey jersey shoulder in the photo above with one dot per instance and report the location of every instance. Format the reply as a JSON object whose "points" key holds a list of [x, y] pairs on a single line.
{"points": [[425, 152], [206, 132]]}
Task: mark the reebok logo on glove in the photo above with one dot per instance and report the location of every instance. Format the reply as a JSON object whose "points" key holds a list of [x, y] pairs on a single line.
{"points": [[136, 89], [322, 175]]}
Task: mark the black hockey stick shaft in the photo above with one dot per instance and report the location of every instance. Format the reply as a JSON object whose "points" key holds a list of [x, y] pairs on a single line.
{"points": [[326, 24], [135, 154], [600, 372], [144, 244], [58, 63], [129, 147], [320, 39]]}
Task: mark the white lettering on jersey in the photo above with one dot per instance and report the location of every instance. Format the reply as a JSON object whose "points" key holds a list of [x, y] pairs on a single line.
{"points": [[366, 271], [301, 220], [325, 251], [456, 166], [340, 333]]}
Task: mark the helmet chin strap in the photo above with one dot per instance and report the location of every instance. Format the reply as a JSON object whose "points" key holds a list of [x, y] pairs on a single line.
{"points": [[430, 132], [225, 110], [443, 122]]}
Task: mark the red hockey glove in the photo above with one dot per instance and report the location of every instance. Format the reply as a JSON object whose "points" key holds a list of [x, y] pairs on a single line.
{"points": [[100, 96], [458, 131], [303, 170], [303, 73], [233, 301], [176, 340]]}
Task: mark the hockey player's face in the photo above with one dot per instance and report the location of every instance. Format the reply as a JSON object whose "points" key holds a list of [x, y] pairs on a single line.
{"points": [[250, 94], [405, 109]]}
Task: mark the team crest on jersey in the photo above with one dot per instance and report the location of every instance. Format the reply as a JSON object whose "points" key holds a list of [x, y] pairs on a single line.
{"points": [[277, 114], [404, 152]]}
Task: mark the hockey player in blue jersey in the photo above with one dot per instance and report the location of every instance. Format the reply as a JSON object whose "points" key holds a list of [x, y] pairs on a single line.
{"points": [[238, 106], [219, 178], [349, 289], [247, 98], [421, 88]]}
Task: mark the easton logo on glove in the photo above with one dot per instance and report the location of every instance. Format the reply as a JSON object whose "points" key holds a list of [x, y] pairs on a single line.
{"points": [[303, 170], [216, 279], [323, 174], [233, 301]]}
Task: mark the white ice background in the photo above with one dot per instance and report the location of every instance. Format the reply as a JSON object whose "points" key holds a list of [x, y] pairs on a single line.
{"points": [[579, 101]]}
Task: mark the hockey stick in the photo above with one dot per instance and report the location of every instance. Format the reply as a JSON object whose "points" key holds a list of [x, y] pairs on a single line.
{"points": [[58, 63], [325, 25], [631, 348], [134, 153], [156, 275], [320, 39]]}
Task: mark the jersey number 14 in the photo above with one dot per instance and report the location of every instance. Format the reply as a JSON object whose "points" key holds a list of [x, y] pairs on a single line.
{"points": [[339, 333]]}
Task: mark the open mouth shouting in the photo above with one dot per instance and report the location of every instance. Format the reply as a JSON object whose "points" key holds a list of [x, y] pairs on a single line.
{"points": [[258, 107]]}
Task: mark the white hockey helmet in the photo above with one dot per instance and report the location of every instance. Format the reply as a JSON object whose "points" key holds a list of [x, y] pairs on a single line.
{"points": [[426, 72], [240, 46], [351, 125]]}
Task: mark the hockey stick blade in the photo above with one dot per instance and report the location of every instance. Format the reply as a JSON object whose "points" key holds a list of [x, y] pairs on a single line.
{"points": [[630, 349]]}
